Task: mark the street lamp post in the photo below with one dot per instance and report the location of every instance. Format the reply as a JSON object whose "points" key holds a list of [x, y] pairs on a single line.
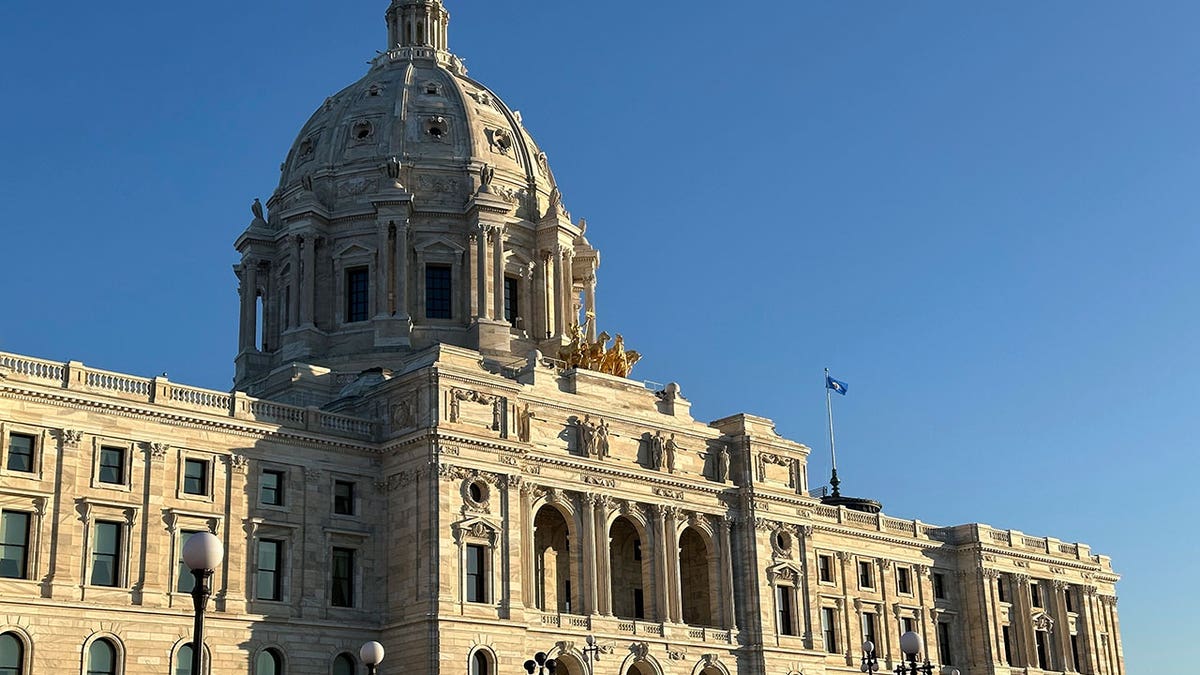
{"points": [[541, 665], [372, 655], [592, 652], [202, 553], [910, 644]]}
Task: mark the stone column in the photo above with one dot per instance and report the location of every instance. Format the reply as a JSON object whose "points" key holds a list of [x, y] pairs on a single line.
{"points": [[400, 304], [559, 316], [663, 597], [482, 271], [589, 291], [589, 554], [1062, 626], [383, 253], [529, 595], [1089, 631], [568, 282], [472, 269], [1022, 611], [308, 292], [603, 557], [991, 610], [730, 617], [672, 547], [539, 326], [1118, 658], [527, 323], [249, 306], [498, 271]]}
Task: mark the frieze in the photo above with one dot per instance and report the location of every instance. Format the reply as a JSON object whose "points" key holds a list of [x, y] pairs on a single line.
{"points": [[158, 451], [496, 403], [600, 481], [70, 437], [357, 186], [677, 495]]}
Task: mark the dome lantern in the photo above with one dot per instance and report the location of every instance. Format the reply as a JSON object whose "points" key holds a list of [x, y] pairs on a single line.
{"points": [[418, 25]]}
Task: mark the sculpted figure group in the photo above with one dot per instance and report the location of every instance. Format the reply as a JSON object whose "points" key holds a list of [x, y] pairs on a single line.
{"points": [[598, 356], [593, 437]]}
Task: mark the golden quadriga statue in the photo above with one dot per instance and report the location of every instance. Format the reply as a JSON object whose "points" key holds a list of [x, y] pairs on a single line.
{"points": [[583, 353]]}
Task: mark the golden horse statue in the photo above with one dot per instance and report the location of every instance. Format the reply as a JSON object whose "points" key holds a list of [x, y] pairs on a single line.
{"points": [[596, 355]]}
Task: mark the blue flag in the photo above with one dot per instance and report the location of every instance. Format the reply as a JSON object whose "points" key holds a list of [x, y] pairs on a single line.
{"points": [[839, 387]]}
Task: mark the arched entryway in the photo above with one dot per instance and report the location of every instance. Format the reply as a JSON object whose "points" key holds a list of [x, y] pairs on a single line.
{"points": [[640, 668], [629, 568], [554, 586], [696, 579]]}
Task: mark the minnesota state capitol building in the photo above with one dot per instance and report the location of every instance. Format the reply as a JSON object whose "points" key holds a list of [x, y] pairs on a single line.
{"points": [[430, 444]]}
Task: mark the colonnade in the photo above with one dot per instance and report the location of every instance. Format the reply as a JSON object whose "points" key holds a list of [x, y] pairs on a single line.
{"points": [[591, 520]]}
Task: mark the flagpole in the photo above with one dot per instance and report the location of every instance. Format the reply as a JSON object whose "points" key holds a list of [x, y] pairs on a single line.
{"points": [[833, 480]]}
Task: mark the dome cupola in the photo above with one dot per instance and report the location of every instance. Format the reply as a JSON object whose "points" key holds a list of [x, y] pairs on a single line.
{"points": [[413, 209]]}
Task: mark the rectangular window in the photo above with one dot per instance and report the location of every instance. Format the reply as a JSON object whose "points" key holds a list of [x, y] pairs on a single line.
{"points": [[637, 550], [112, 465], [939, 586], [904, 580], [783, 600], [270, 488], [1008, 655], [1035, 594], [868, 619], [476, 573], [14, 544], [511, 309], [908, 625], [357, 285], [825, 568], [639, 604], [438, 292], [864, 575], [828, 630], [1075, 652], [185, 581], [1002, 589], [1043, 650], [20, 453], [343, 498], [195, 477], [342, 578], [268, 578], [106, 554], [1070, 601], [943, 635]]}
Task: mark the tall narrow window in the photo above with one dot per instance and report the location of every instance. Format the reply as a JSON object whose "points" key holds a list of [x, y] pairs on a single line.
{"points": [[342, 586], [1075, 652], [438, 292], [112, 465], [1069, 600], [869, 627], [270, 488], [14, 545], [904, 580], [511, 309], [1008, 653], [908, 625], [344, 664], [102, 658], [825, 568], [480, 664], [183, 660], [639, 604], [864, 575], [943, 638], [357, 283], [268, 576], [185, 581], [783, 600], [477, 573], [12, 655], [269, 662], [195, 477], [1043, 650], [828, 630], [20, 453], [343, 498], [1002, 588], [1035, 594], [939, 586], [106, 552]]}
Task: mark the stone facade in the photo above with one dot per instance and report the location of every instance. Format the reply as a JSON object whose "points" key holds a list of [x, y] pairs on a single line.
{"points": [[405, 460]]}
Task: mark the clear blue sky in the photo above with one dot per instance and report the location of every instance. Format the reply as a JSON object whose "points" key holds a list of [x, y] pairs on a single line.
{"points": [[982, 216]]}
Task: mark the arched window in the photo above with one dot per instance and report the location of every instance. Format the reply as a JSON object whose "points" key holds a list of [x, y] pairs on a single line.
{"points": [[102, 658], [183, 660], [480, 665], [12, 654], [269, 663], [344, 664]]}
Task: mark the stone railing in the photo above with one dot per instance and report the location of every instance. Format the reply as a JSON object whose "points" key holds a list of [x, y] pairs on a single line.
{"points": [[639, 628], [709, 635], [160, 391]]}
